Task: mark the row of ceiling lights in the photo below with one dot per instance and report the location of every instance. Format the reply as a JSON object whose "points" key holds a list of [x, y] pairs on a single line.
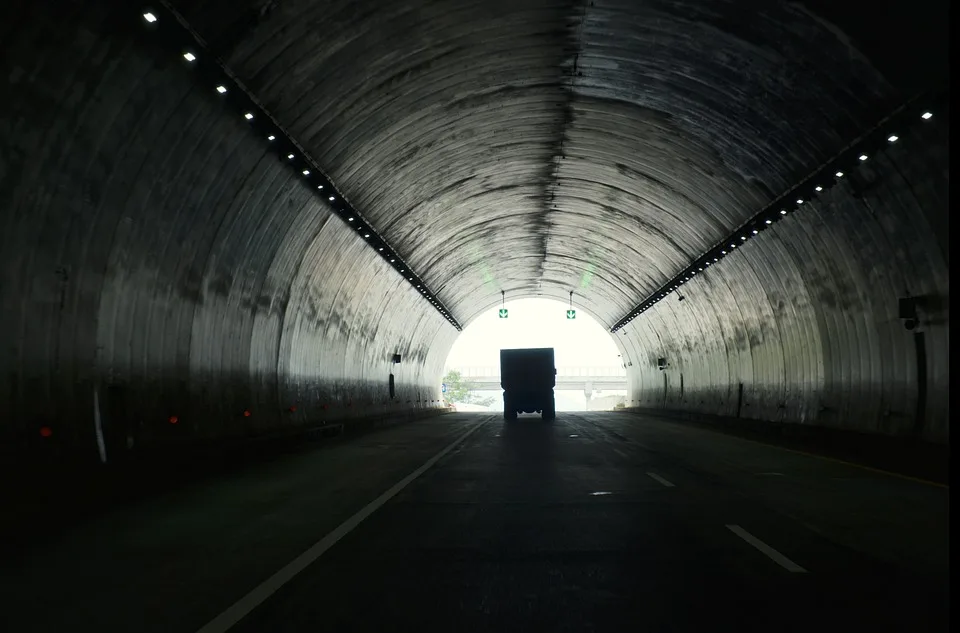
{"points": [[226, 85], [827, 176]]}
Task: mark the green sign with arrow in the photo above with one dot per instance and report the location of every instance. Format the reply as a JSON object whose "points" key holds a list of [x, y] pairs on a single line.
{"points": [[503, 313], [571, 314]]}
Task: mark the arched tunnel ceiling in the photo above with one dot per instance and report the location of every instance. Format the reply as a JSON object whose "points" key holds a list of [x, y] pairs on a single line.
{"points": [[538, 147]]}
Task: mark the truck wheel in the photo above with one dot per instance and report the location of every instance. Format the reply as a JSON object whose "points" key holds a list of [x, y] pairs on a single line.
{"points": [[550, 410]]}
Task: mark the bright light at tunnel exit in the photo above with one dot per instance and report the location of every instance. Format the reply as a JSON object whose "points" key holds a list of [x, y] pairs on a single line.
{"points": [[580, 343]]}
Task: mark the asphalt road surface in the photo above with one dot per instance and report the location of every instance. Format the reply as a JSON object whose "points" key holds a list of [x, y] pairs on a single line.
{"points": [[464, 522]]}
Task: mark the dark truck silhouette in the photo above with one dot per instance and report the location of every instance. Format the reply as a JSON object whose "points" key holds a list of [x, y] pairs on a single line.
{"points": [[528, 377]]}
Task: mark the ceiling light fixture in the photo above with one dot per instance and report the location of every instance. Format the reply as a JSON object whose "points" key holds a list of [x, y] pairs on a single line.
{"points": [[893, 138], [926, 115], [248, 116], [839, 174], [306, 172], [863, 157], [221, 89], [149, 17], [818, 188], [190, 57]]}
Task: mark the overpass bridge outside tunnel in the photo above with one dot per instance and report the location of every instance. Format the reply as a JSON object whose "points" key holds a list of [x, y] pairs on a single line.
{"points": [[574, 378], [239, 239]]}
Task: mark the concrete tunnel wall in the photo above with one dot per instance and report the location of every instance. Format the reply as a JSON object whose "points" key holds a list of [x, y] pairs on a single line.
{"points": [[805, 317], [155, 250]]}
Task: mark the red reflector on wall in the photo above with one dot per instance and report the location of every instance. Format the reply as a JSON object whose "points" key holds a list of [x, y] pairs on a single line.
{"points": [[293, 408], [46, 431], [174, 419], [246, 413]]}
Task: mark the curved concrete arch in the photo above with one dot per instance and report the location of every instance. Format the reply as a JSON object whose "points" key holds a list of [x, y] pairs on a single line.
{"points": [[156, 251]]}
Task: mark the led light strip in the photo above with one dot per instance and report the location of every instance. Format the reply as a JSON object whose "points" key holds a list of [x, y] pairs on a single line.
{"points": [[177, 34], [885, 133]]}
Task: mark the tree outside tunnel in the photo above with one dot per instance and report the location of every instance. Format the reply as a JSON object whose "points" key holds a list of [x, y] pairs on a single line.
{"points": [[461, 391]]}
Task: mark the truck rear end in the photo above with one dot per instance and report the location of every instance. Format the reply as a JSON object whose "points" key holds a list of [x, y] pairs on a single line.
{"points": [[528, 377]]}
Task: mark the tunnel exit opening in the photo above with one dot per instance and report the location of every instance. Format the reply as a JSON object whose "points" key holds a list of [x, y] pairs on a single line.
{"points": [[591, 372]]}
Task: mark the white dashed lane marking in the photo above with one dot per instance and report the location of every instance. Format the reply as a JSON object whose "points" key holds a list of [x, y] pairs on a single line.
{"points": [[773, 554], [657, 477]]}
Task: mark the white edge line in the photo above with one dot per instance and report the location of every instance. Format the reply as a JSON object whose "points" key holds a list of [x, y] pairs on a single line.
{"points": [[268, 587], [773, 554], [661, 480]]}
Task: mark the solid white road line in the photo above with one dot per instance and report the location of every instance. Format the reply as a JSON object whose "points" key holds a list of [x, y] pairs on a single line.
{"points": [[264, 590], [776, 556], [661, 480]]}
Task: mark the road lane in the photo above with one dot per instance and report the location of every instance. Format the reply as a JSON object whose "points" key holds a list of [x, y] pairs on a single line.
{"points": [[511, 534], [174, 562]]}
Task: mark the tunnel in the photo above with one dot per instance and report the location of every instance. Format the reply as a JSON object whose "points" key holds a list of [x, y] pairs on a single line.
{"points": [[231, 225]]}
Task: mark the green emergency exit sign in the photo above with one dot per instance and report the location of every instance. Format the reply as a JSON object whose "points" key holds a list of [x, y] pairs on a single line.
{"points": [[503, 313], [571, 314]]}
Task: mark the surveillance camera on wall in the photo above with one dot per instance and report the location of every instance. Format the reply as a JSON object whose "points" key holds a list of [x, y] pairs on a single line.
{"points": [[908, 312]]}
